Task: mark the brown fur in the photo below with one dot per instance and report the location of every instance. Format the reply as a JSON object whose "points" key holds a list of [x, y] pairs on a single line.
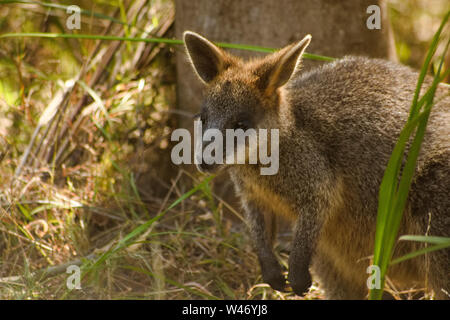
{"points": [[338, 125]]}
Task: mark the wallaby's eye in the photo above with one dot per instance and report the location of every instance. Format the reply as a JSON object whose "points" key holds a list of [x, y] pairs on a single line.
{"points": [[200, 116], [243, 124]]}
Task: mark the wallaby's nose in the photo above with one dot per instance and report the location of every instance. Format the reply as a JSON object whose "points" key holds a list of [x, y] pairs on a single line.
{"points": [[201, 167], [205, 168]]}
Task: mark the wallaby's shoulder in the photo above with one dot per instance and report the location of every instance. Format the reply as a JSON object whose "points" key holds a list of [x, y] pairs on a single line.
{"points": [[371, 86], [359, 89]]}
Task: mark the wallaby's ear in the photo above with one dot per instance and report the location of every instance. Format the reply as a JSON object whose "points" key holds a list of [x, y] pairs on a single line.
{"points": [[282, 65], [207, 59]]}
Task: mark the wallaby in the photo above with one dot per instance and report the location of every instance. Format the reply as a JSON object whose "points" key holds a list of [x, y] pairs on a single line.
{"points": [[337, 126]]}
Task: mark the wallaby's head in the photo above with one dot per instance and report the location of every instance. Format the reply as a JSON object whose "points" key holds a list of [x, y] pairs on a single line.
{"points": [[240, 94]]}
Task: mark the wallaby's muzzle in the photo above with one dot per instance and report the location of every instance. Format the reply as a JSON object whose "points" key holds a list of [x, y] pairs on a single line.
{"points": [[208, 168]]}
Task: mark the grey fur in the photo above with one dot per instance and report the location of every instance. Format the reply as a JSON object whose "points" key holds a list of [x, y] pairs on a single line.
{"points": [[338, 125]]}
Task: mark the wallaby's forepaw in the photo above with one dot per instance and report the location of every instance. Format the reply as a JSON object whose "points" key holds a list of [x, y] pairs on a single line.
{"points": [[273, 275], [300, 282], [276, 282]]}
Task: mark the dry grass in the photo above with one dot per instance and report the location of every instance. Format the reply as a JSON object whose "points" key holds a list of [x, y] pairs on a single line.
{"points": [[192, 252], [77, 181]]}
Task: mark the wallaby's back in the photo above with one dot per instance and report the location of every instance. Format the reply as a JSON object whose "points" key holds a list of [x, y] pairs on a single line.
{"points": [[355, 109], [337, 128]]}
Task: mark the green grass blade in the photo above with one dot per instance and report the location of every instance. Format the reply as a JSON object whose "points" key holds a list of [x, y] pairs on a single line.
{"points": [[389, 184], [154, 40], [393, 194], [426, 239], [409, 169], [26, 213], [87, 37], [424, 70], [421, 251]]}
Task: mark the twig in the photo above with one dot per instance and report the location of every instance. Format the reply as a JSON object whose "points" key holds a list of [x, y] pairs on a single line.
{"points": [[50, 271]]}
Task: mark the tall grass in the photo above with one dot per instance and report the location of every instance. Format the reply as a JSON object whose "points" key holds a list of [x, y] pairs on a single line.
{"points": [[153, 40], [396, 183], [172, 243]]}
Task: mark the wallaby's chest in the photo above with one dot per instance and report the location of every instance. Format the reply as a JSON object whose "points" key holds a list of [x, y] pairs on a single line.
{"points": [[267, 198]]}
